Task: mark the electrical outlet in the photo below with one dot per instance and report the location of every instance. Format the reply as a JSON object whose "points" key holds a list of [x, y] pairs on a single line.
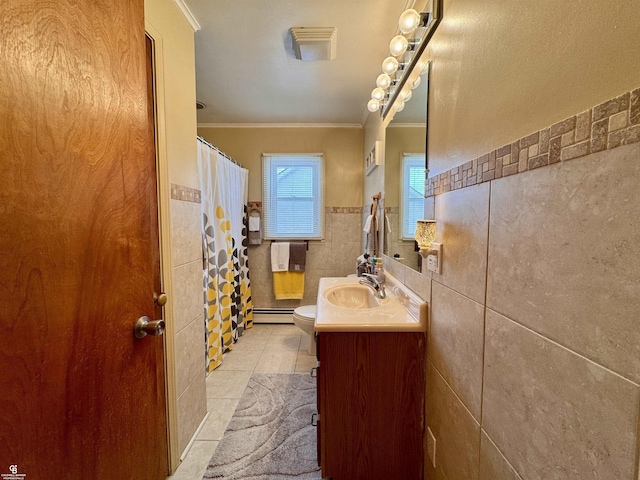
{"points": [[431, 447], [434, 262]]}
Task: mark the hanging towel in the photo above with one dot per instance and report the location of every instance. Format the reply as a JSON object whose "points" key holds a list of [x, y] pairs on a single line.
{"points": [[255, 238], [254, 223], [279, 256], [368, 223], [371, 228], [297, 256], [288, 285]]}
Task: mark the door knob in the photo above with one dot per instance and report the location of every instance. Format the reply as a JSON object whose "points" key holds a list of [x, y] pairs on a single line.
{"points": [[145, 326], [160, 298]]}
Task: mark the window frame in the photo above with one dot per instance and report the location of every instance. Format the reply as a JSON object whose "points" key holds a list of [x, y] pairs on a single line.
{"points": [[269, 215], [409, 161]]}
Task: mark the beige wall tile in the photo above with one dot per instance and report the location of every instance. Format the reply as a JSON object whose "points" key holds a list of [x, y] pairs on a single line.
{"points": [[419, 283], [346, 227], [396, 269], [493, 465], [187, 293], [553, 413], [343, 258], [457, 433], [186, 237], [462, 217], [318, 256], [189, 353], [456, 342], [192, 407], [563, 255]]}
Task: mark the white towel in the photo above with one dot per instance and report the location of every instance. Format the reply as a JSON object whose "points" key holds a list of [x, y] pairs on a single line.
{"points": [[280, 256], [254, 224], [368, 224]]}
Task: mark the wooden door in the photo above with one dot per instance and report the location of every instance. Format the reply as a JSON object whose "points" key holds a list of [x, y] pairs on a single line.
{"points": [[80, 396]]}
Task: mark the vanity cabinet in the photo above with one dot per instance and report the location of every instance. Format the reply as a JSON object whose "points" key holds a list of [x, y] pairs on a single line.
{"points": [[371, 403]]}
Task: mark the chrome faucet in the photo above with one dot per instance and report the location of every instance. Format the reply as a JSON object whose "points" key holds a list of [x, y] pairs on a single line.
{"points": [[372, 282]]}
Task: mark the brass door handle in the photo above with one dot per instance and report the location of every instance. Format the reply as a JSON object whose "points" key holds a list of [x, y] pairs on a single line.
{"points": [[145, 326]]}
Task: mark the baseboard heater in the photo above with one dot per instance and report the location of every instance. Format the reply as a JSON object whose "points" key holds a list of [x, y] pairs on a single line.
{"points": [[273, 315]]}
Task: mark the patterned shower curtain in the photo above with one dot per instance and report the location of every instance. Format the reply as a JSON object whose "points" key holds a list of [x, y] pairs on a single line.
{"points": [[227, 290]]}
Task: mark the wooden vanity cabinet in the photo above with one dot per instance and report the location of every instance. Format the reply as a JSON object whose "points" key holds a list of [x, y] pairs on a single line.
{"points": [[371, 401]]}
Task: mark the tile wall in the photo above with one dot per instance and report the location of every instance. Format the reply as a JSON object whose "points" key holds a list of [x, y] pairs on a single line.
{"points": [[186, 251], [534, 337], [335, 256]]}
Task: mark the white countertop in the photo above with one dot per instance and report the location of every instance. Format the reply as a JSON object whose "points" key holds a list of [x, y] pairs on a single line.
{"points": [[401, 311]]}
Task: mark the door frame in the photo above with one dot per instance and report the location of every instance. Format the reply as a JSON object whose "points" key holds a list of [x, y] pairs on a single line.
{"points": [[164, 227]]}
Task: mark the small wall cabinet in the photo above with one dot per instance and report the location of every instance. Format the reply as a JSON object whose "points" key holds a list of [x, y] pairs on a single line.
{"points": [[371, 404]]}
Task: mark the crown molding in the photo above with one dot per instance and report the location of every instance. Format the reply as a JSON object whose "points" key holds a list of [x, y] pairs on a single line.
{"points": [[187, 14]]}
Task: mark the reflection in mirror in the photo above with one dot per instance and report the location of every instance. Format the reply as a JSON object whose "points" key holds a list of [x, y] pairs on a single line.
{"points": [[404, 176]]}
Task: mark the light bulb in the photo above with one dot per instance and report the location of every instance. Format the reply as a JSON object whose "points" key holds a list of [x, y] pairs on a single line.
{"points": [[400, 107], [409, 21], [377, 94], [398, 45], [407, 96], [390, 65], [383, 81], [373, 105], [416, 84]]}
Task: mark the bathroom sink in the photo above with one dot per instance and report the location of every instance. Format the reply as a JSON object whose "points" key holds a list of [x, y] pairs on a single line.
{"points": [[345, 305], [352, 296]]}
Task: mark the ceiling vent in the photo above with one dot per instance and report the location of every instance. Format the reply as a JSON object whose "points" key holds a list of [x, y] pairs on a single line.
{"points": [[314, 43]]}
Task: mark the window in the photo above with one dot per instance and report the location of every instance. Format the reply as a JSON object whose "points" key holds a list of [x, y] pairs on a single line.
{"points": [[292, 190], [412, 208]]}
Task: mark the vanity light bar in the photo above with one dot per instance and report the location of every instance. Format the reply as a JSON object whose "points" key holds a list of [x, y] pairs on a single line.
{"points": [[401, 47]]}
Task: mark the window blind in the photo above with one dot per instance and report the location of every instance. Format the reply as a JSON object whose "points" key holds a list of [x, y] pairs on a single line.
{"points": [[412, 208], [293, 200]]}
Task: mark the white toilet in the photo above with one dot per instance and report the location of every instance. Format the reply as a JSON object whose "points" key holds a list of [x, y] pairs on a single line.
{"points": [[305, 317]]}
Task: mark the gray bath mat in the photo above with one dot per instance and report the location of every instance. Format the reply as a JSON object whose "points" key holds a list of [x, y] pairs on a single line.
{"points": [[270, 436]]}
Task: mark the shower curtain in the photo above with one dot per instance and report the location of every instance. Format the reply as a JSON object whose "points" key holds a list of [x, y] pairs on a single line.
{"points": [[227, 290]]}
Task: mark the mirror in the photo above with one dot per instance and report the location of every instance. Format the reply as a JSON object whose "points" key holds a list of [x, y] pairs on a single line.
{"points": [[405, 124], [404, 174]]}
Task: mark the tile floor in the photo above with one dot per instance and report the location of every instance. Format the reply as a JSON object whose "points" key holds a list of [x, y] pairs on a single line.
{"points": [[264, 348]]}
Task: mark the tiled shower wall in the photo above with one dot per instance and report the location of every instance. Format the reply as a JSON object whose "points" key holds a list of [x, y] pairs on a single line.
{"points": [[534, 340], [186, 250], [333, 257]]}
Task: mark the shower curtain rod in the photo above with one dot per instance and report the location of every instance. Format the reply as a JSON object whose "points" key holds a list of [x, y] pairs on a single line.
{"points": [[218, 150]]}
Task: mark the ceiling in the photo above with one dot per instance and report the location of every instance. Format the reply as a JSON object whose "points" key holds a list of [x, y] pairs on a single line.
{"points": [[246, 72]]}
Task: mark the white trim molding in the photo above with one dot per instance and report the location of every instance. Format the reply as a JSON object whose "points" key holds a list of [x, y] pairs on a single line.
{"points": [[188, 14]]}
